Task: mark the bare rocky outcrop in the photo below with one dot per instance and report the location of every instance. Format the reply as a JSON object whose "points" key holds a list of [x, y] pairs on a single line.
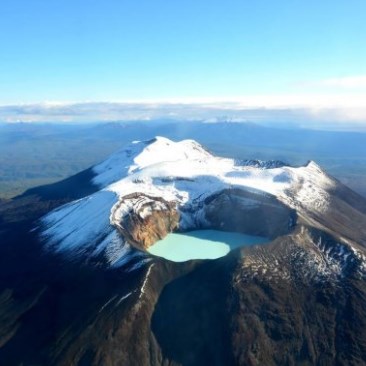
{"points": [[145, 232], [143, 219]]}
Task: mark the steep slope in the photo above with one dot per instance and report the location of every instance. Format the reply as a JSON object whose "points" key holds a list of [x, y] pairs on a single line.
{"points": [[79, 287]]}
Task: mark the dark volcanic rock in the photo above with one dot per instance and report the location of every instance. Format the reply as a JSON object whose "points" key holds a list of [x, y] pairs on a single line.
{"points": [[77, 186], [148, 220], [249, 212]]}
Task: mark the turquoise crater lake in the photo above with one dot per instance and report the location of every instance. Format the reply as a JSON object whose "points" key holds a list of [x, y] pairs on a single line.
{"points": [[201, 244]]}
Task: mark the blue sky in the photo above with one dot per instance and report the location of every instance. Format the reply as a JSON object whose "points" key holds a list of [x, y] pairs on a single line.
{"points": [[124, 50]]}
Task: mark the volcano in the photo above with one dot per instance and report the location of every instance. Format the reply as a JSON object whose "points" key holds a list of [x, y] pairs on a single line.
{"points": [[80, 284]]}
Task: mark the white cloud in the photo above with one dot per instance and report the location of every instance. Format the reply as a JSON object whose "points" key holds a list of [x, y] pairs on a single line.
{"points": [[349, 82], [312, 109]]}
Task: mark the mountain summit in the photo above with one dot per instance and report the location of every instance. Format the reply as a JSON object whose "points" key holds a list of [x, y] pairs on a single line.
{"points": [[80, 286]]}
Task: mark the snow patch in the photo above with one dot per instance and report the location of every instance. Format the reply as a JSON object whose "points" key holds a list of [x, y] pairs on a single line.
{"points": [[79, 224]]}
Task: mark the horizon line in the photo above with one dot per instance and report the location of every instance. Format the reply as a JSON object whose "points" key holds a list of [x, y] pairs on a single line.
{"points": [[279, 101]]}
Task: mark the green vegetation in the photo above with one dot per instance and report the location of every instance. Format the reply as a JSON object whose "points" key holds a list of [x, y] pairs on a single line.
{"points": [[32, 155]]}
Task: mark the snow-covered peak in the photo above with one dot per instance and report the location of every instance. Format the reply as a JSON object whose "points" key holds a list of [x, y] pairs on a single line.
{"points": [[310, 189], [311, 164], [180, 173], [141, 154]]}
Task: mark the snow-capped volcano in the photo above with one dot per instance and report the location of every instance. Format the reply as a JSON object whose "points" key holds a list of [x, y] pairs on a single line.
{"points": [[80, 287], [182, 179]]}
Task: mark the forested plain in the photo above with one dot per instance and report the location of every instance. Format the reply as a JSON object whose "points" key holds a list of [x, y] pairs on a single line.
{"points": [[37, 154]]}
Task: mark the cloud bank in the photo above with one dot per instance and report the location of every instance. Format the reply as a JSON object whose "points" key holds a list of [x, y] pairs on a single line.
{"points": [[321, 111], [350, 82]]}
